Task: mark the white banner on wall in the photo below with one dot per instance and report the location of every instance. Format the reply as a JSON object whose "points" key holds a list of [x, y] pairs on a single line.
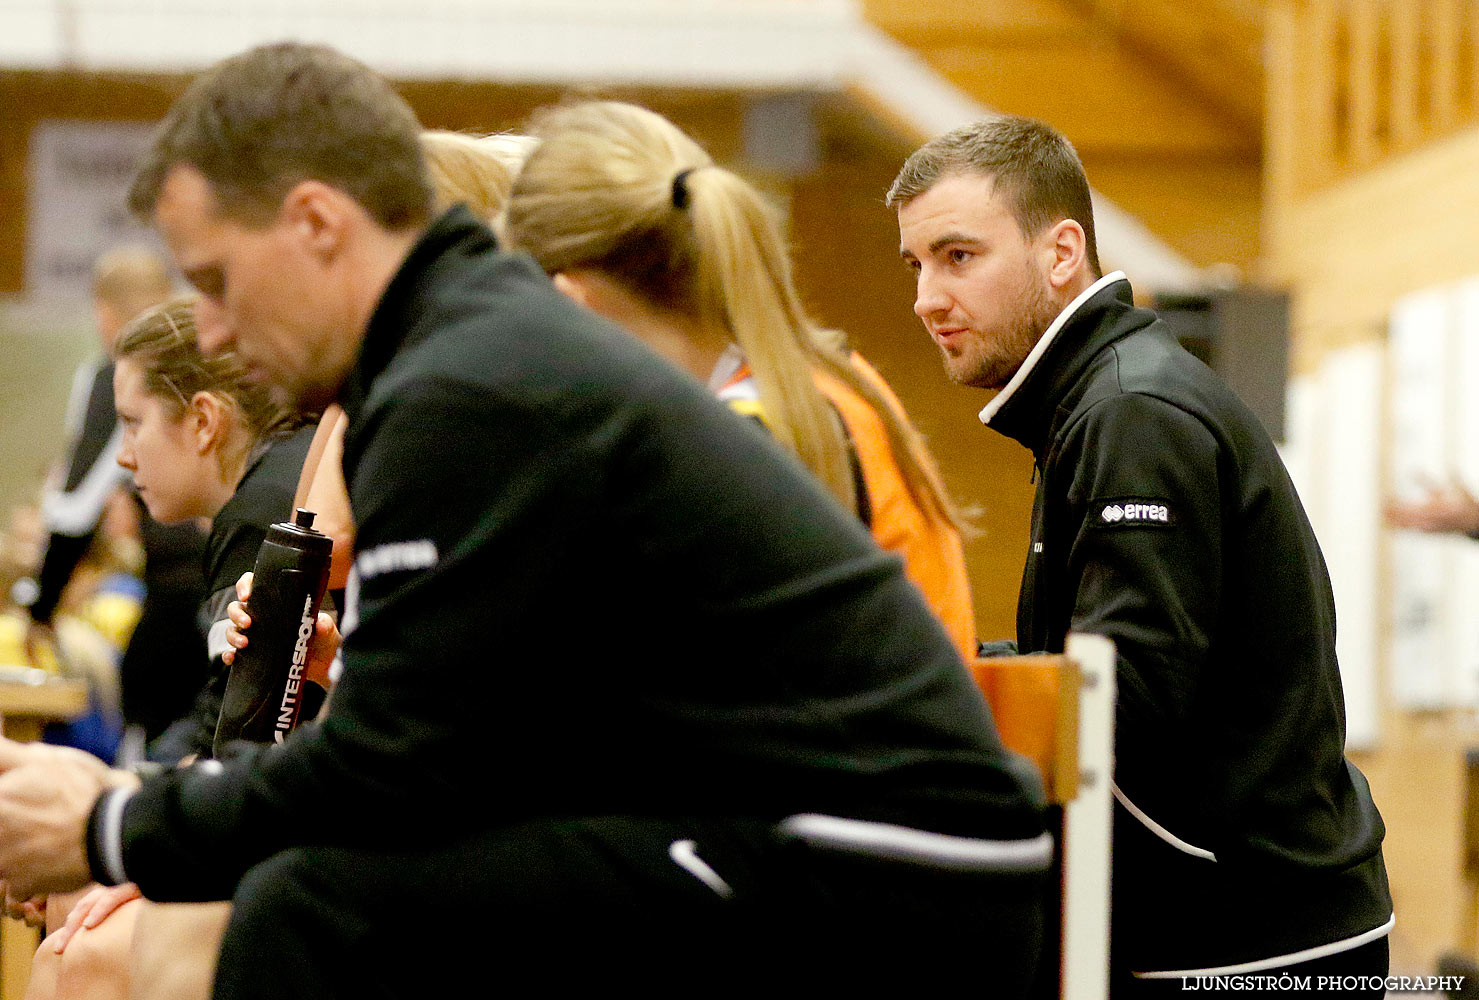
{"points": [[1304, 442], [1349, 529], [1332, 450], [1463, 466], [79, 177], [1425, 656]]}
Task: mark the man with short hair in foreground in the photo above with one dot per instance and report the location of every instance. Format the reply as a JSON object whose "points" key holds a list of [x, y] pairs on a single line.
{"points": [[1244, 841], [620, 684]]}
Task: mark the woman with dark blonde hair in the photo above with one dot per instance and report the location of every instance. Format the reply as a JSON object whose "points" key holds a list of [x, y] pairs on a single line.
{"points": [[203, 441], [632, 218]]}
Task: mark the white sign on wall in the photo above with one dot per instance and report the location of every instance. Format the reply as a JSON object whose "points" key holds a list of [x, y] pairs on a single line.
{"points": [[1350, 527], [1333, 453], [1422, 565], [1463, 467], [79, 177]]}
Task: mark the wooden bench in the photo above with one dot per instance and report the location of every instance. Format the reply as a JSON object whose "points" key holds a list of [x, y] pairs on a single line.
{"points": [[1058, 711], [29, 699]]}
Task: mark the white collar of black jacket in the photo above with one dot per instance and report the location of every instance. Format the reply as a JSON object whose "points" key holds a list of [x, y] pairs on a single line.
{"points": [[1041, 347]]}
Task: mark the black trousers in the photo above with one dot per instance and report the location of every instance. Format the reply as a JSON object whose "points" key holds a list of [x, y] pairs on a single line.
{"points": [[608, 900]]}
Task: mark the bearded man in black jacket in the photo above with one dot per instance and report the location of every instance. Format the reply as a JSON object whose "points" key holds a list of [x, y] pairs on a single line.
{"points": [[1245, 842], [621, 684]]}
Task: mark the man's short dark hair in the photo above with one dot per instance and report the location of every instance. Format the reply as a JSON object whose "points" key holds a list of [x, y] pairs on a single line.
{"points": [[1034, 168], [260, 122]]}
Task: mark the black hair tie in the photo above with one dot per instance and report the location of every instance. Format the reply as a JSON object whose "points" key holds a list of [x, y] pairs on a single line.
{"points": [[680, 188]]}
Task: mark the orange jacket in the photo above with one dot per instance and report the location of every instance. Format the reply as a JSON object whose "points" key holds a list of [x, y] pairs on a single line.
{"points": [[934, 557]]}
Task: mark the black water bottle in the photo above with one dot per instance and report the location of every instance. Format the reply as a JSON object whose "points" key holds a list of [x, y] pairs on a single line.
{"points": [[264, 693]]}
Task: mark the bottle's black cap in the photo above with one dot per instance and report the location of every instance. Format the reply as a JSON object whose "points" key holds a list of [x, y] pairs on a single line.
{"points": [[303, 518]]}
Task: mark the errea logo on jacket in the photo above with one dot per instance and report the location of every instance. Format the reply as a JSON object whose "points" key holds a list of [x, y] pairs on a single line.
{"points": [[1133, 512], [394, 557]]}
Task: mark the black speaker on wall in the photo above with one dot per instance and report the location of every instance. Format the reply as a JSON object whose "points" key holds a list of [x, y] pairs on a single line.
{"points": [[1243, 335]]}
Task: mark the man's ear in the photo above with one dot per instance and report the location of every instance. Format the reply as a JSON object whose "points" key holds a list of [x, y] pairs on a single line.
{"points": [[207, 418], [1066, 250], [573, 286], [319, 215]]}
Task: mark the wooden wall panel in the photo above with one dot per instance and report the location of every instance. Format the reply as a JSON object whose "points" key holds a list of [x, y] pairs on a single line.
{"points": [[1212, 47], [30, 97], [925, 22], [1444, 28], [1349, 251], [1364, 26], [1208, 209]]}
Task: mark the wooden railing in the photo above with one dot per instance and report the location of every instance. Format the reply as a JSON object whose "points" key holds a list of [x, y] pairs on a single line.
{"points": [[1354, 82], [29, 700], [1058, 711]]}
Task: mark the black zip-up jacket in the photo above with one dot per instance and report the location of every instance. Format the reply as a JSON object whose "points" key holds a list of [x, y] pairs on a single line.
{"points": [[583, 587], [262, 498], [1165, 520]]}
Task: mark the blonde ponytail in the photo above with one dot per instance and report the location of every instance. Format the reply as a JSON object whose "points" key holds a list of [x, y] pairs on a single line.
{"points": [[620, 190], [477, 171], [744, 279]]}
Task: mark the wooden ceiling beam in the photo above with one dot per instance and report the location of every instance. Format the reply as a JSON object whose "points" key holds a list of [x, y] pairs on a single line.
{"points": [[1213, 46], [1098, 95], [942, 22], [1202, 53]]}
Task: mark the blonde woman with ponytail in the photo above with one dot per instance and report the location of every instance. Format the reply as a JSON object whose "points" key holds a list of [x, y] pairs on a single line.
{"points": [[634, 220]]}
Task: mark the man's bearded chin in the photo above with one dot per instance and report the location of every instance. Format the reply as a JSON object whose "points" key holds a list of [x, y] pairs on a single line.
{"points": [[996, 368], [1038, 312]]}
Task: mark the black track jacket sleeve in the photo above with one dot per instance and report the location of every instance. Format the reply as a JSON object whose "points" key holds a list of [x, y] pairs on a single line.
{"points": [[378, 761], [73, 509], [1150, 585]]}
